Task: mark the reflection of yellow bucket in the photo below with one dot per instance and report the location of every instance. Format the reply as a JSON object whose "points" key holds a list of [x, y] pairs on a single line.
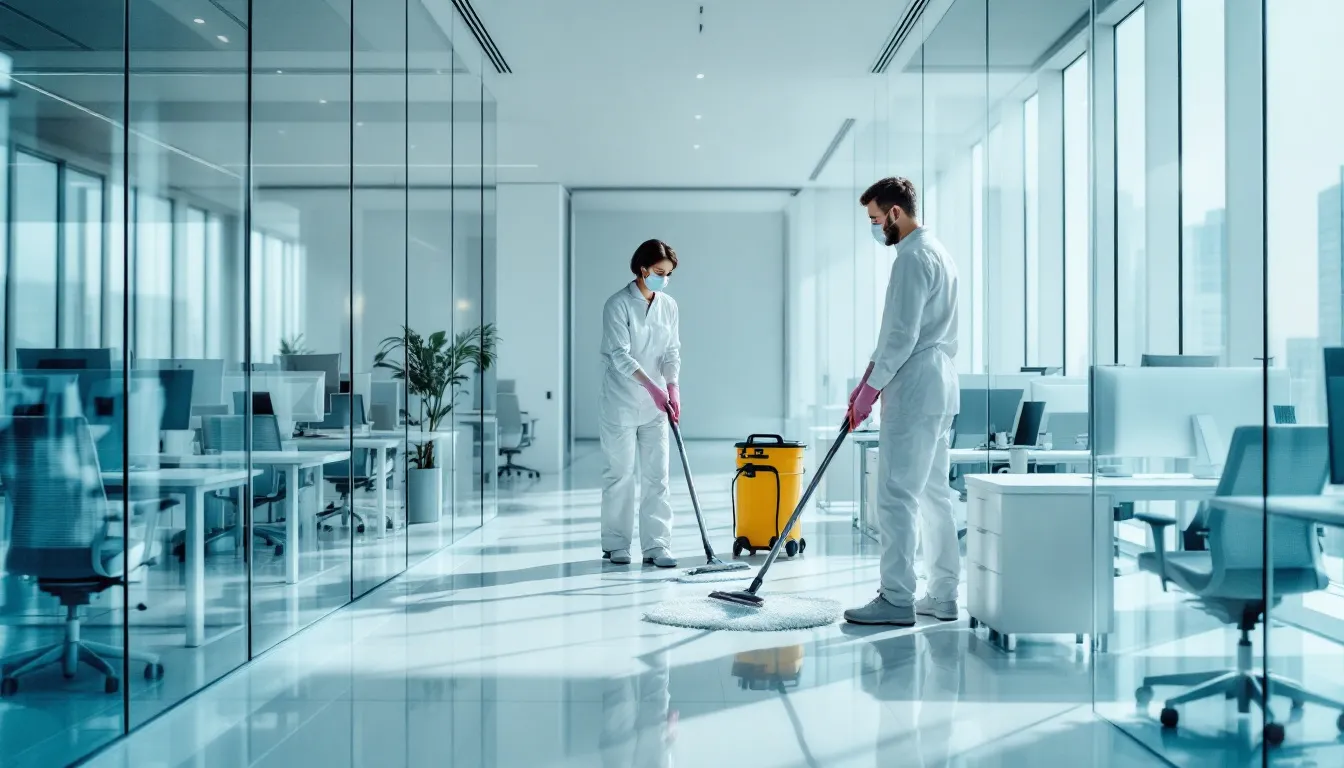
{"points": [[769, 667], [768, 484]]}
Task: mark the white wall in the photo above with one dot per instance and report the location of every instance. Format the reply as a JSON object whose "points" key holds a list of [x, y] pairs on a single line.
{"points": [[531, 304], [730, 288]]}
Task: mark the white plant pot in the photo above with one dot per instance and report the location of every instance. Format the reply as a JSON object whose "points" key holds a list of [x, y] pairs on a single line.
{"points": [[424, 495]]}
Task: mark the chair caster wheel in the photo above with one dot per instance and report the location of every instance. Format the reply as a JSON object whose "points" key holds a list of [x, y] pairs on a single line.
{"points": [[359, 528], [111, 685], [154, 671], [1274, 734], [1144, 696], [791, 548], [9, 686], [279, 550], [1339, 723], [1170, 718]]}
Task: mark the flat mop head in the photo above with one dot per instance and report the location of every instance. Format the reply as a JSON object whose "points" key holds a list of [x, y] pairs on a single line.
{"points": [[741, 597], [715, 565], [783, 612]]}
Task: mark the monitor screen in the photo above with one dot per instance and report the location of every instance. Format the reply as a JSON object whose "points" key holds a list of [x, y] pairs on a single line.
{"points": [[1334, 409]]}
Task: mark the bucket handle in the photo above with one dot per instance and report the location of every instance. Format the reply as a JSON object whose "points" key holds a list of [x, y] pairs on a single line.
{"points": [[775, 439]]}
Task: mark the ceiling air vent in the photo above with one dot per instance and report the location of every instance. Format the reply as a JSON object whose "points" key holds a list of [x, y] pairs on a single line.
{"points": [[899, 34], [482, 36]]}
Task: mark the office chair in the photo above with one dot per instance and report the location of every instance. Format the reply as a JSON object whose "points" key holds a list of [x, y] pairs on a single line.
{"points": [[346, 482], [225, 433], [66, 534], [515, 434], [1227, 580]]}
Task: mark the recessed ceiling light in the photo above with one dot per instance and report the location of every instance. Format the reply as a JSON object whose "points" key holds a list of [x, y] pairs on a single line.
{"points": [[321, 101], [697, 146], [359, 125], [279, 71], [282, 131], [697, 117], [222, 38], [199, 21], [700, 76]]}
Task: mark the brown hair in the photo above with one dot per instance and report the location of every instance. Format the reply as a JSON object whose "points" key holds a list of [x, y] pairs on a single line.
{"points": [[893, 190], [651, 252]]}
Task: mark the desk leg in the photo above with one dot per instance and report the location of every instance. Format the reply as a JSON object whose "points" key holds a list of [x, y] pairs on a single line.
{"points": [[292, 478], [195, 561], [380, 478]]}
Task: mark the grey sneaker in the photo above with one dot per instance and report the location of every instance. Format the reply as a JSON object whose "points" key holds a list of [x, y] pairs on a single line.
{"points": [[618, 556], [660, 558], [942, 610], [879, 611]]}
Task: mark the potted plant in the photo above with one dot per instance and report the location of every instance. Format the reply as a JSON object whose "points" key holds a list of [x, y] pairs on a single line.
{"points": [[294, 346], [434, 369]]}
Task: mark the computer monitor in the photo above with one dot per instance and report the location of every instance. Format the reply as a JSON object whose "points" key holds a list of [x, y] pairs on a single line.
{"points": [[983, 413], [1178, 413], [1028, 423], [177, 389], [207, 386], [295, 397], [1067, 430], [1061, 394], [329, 365], [1043, 370], [106, 406], [64, 359], [262, 404], [388, 397], [346, 411], [1181, 361]]}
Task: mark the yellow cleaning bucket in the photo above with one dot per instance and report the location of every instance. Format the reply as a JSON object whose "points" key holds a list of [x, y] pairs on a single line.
{"points": [[767, 486]]}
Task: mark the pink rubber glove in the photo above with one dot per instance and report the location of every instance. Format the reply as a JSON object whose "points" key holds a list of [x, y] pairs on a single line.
{"points": [[674, 400], [862, 407], [864, 380], [656, 392]]}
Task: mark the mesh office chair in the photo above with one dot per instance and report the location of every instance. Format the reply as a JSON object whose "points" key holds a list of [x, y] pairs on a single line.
{"points": [[66, 534], [347, 477], [1227, 580], [225, 433], [515, 434]]}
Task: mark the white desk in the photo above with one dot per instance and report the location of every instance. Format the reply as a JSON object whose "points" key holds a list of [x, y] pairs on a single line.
{"points": [[292, 463], [1038, 544], [1326, 510], [866, 442], [380, 447], [192, 484]]}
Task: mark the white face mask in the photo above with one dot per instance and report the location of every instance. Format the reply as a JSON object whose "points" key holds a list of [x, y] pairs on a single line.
{"points": [[879, 234], [656, 282]]}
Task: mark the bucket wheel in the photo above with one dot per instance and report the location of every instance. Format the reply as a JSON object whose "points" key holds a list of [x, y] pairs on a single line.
{"points": [[802, 545], [740, 545], [791, 548]]}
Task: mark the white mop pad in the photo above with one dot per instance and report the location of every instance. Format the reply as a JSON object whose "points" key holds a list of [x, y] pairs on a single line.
{"points": [[686, 577], [780, 612]]}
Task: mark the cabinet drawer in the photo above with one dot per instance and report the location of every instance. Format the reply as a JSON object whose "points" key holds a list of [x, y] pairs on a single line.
{"points": [[985, 512], [984, 594], [984, 548]]}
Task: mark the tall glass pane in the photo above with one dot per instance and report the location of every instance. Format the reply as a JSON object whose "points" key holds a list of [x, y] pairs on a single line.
{"points": [[309, 511], [1077, 219], [467, 280], [1131, 179], [1031, 173], [67, 575], [184, 156], [379, 309], [439, 482]]}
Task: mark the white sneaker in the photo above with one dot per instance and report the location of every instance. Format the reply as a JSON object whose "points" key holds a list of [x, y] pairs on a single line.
{"points": [[618, 556], [660, 557], [942, 610]]}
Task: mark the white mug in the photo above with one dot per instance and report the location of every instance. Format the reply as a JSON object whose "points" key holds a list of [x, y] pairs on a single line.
{"points": [[1001, 439], [1017, 460]]}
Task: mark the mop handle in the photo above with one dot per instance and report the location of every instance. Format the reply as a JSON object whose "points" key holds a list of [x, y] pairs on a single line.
{"points": [[686, 467], [807, 494]]}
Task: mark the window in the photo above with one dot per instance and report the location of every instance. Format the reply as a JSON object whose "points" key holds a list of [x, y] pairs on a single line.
{"points": [[189, 293], [1031, 164], [82, 278], [153, 276], [33, 261], [1131, 179], [214, 281], [1077, 222], [978, 258], [277, 288], [1203, 177]]}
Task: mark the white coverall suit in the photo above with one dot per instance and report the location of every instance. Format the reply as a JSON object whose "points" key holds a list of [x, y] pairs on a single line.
{"points": [[637, 336], [913, 368]]}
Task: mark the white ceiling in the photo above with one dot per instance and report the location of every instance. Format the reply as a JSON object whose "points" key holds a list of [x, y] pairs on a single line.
{"points": [[604, 92]]}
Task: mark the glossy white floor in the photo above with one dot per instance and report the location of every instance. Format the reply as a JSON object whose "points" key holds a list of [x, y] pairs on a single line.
{"points": [[517, 647]]}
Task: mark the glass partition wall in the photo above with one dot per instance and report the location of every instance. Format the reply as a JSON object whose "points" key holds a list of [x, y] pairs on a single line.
{"points": [[221, 227]]}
